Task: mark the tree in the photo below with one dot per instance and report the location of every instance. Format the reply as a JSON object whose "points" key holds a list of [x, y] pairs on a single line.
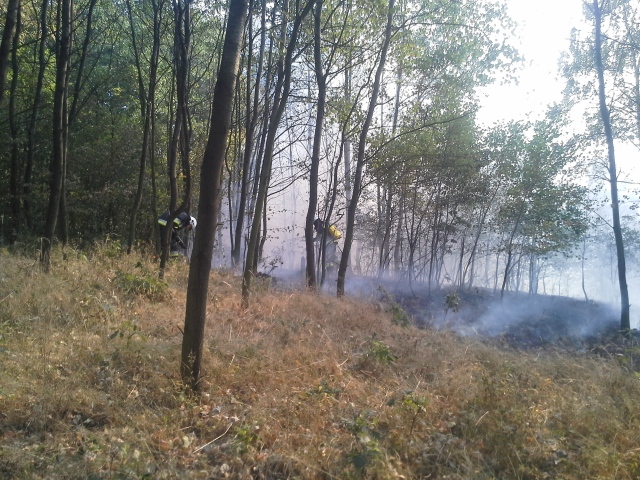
{"points": [[147, 104], [13, 125], [360, 157], [281, 96], [11, 19], [180, 143], [210, 174], [252, 115], [60, 119], [33, 120], [597, 11], [600, 70]]}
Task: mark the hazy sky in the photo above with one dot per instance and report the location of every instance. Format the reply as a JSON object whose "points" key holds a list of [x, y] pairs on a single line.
{"points": [[544, 27]]}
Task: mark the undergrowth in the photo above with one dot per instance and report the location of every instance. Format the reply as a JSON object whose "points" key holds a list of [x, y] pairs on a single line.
{"points": [[297, 386]]}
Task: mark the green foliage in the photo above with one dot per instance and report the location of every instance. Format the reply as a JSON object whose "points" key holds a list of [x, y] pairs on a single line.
{"points": [[399, 316], [415, 404], [364, 427], [143, 285], [247, 436], [325, 389], [452, 301], [127, 331], [542, 210], [381, 353], [110, 248]]}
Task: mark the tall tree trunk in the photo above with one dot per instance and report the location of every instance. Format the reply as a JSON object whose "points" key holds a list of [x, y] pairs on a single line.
{"points": [[63, 48], [321, 80], [146, 108], [37, 96], [63, 214], [70, 114], [10, 22], [582, 259], [282, 91], [385, 250], [507, 268], [77, 88], [397, 247], [360, 160], [13, 126], [346, 145], [625, 324], [181, 139], [266, 114], [250, 128], [211, 172], [154, 184]]}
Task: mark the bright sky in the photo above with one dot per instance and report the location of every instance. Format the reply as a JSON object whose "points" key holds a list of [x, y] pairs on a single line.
{"points": [[544, 27]]}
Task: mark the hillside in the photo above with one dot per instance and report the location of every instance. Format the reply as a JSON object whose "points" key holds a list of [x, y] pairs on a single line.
{"points": [[298, 386]]}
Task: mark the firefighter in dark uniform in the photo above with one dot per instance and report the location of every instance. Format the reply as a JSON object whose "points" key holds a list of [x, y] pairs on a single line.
{"points": [[182, 221]]}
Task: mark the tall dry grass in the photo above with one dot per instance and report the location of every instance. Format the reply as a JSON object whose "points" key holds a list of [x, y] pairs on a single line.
{"points": [[297, 386]]}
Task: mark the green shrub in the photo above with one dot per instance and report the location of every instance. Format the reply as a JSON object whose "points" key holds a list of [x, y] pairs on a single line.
{"points": [[146, 285]]}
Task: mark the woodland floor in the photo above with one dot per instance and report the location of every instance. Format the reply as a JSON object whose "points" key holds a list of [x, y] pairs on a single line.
{"points": [[378, 385]]}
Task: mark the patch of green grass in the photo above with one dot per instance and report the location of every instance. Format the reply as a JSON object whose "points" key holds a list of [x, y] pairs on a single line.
{"points": [[142, 285]]}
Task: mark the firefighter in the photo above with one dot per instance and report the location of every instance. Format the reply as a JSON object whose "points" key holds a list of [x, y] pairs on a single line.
{"points": [[182, 221], [331, 242]]}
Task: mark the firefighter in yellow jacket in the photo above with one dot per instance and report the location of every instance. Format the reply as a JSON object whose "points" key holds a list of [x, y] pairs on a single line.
{"points": [[330, 243]]}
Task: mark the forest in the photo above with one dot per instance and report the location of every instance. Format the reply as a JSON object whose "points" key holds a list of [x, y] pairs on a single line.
{"points": [[336, 143], [359, 113]]}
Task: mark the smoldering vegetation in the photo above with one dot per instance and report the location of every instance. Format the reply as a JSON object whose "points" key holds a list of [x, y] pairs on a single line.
{"points": [[517, 319]]}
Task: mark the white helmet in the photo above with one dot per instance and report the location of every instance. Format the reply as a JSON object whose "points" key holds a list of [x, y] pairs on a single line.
{"points": [[193, 222]]}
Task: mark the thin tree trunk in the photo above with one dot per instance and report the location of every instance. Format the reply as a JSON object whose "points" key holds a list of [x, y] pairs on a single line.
{"points": [[13, 126], [250, 127], [73, 112], [182, 131], [625, 324], [507, 268], [584, 290], [321, 80], [146, 110], [10, 22], [360, 160], [63, 48], [210, 174], [281, 96], [31, 135]]}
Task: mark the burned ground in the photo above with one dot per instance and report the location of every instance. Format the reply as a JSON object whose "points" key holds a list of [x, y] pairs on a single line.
{"points": [[516, 320]]}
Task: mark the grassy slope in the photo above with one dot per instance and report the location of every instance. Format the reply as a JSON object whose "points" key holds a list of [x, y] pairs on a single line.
{"points": [[298, 386]]}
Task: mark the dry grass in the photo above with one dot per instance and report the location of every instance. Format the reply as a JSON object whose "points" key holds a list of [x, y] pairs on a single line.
{"points": [[298, 386]]}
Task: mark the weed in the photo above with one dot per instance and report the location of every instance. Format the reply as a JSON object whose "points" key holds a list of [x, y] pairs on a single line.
{"points": [[451, 302], [399, 316], [247, 436], [110, 248], [415, 404], [148, 286], [381, 353], [325, 389], [127, 331], [364, 428]]}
